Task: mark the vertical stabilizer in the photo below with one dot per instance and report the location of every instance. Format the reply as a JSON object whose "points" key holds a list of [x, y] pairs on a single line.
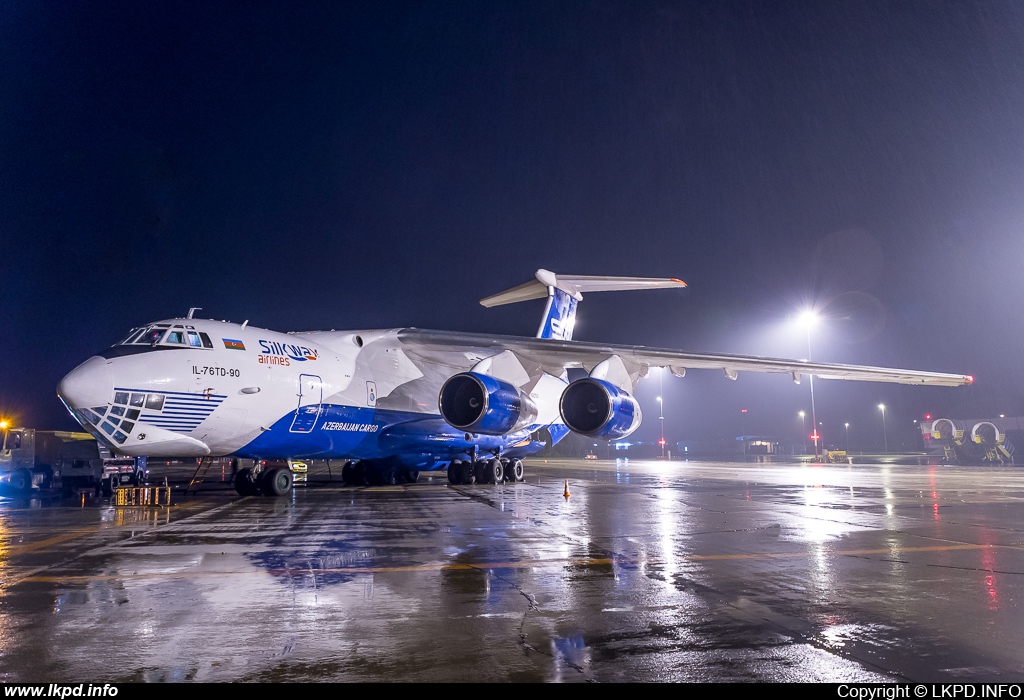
{"points": [[559, 316]]}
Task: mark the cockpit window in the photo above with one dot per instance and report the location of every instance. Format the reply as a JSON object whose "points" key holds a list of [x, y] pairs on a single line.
{"points": [[186, 336], [149, 336], [131, 336], [164, 334]]}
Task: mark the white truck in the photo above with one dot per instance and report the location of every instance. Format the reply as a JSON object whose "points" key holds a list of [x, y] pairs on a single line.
{"points": [[41, 459]]}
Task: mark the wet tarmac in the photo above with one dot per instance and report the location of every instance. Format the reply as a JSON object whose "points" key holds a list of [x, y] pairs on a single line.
{"points": [[649, 571]]}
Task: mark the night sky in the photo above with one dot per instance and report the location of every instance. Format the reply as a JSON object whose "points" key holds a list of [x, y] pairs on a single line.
{"points": [[369, 165]]}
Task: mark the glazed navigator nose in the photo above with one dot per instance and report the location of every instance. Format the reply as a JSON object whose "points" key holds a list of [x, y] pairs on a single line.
{"points": [[87, 386]]}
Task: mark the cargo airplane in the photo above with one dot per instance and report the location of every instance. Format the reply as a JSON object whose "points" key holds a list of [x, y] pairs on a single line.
{"points": [[394, 402]]}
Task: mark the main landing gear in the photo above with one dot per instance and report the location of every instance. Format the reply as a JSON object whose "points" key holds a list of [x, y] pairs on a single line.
{"points": [[485, 471], [375, 474]]}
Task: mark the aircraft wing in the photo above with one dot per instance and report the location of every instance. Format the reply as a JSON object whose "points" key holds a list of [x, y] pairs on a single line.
{"points": [[554, 356]]}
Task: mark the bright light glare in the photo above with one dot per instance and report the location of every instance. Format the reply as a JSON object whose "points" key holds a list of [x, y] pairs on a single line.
{"points": [[659, 399], [808, 318], [882, 406], [801, 414]]}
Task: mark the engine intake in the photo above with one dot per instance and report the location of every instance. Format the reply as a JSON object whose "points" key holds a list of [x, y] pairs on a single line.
{"points": [[479, 403], [596, 408]]}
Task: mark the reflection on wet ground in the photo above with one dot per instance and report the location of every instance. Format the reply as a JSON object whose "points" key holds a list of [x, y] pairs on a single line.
{"points": [[650, 571]]}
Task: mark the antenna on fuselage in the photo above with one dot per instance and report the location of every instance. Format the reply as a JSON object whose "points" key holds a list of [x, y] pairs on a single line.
{"points": [[193, 310]]}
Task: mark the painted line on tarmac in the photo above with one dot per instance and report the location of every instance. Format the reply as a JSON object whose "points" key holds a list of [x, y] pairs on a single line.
{"points": [[31, 574], [484, 566], [16, 549]]}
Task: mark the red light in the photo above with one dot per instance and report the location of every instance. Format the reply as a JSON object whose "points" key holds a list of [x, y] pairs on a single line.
{"points": [[743, 410], [927, 416], [814, 436], [970, 378], [661, 442]]}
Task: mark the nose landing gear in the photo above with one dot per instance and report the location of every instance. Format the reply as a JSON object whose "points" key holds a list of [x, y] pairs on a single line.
{"points": [[272, 481]]}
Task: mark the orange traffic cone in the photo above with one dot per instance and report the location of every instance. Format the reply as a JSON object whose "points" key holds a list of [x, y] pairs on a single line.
{"points": [[566, 494]]}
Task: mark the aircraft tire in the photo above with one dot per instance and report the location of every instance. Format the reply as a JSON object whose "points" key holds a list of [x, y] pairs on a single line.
{"points": [[348, 474], [276, 482], [515, 471], [21, 481], [467, 473], [454, 475], [244, 484], [495, 471], [388, 476], [410, 476]]}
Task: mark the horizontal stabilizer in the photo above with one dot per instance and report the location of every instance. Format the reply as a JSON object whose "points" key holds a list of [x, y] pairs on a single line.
{"points": [[575, 285]]}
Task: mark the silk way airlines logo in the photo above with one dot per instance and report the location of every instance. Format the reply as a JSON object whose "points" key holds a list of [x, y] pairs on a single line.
{"points": [[299, 353]]}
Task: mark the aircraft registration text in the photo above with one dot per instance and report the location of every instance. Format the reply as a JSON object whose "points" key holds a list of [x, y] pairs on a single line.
{"points": [[216, 371]]}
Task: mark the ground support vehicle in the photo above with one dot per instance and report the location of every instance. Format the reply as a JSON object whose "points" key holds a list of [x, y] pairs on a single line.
{"points": [[41, 459], [122, 471]]}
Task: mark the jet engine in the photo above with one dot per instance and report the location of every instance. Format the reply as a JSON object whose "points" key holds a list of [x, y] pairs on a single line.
{"points": [[479, 403], [597, 408]]}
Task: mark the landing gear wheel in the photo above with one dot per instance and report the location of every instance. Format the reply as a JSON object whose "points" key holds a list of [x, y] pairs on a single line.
{"points": [[467, 473], [244, 483], [515, 471], [410, 476], [351, 474], [387, 476], [21, 481], [276, 482], [495, 471], [454, 472]]}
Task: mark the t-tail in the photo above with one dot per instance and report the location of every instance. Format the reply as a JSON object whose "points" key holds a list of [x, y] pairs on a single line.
{"points": [[564, 293]]}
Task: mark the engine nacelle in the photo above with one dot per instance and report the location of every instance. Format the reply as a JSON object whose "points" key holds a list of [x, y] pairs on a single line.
{"points": [[596, 408], [479, 403]]}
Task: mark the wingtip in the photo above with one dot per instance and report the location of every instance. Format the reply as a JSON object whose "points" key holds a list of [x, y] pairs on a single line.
{"points": [[676, 279]]}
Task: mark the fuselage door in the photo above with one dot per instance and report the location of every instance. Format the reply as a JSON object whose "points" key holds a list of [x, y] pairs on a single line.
{"points": [[308, 411]]}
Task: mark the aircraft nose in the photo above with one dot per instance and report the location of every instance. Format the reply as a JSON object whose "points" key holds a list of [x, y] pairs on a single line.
{"points": [[87, 385]]}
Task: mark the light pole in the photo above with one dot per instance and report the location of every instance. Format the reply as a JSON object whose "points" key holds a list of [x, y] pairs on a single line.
{"points": [[661, 417], [661, 410], [847, 437], [885, 435], [803, 429], [810, 318]]}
